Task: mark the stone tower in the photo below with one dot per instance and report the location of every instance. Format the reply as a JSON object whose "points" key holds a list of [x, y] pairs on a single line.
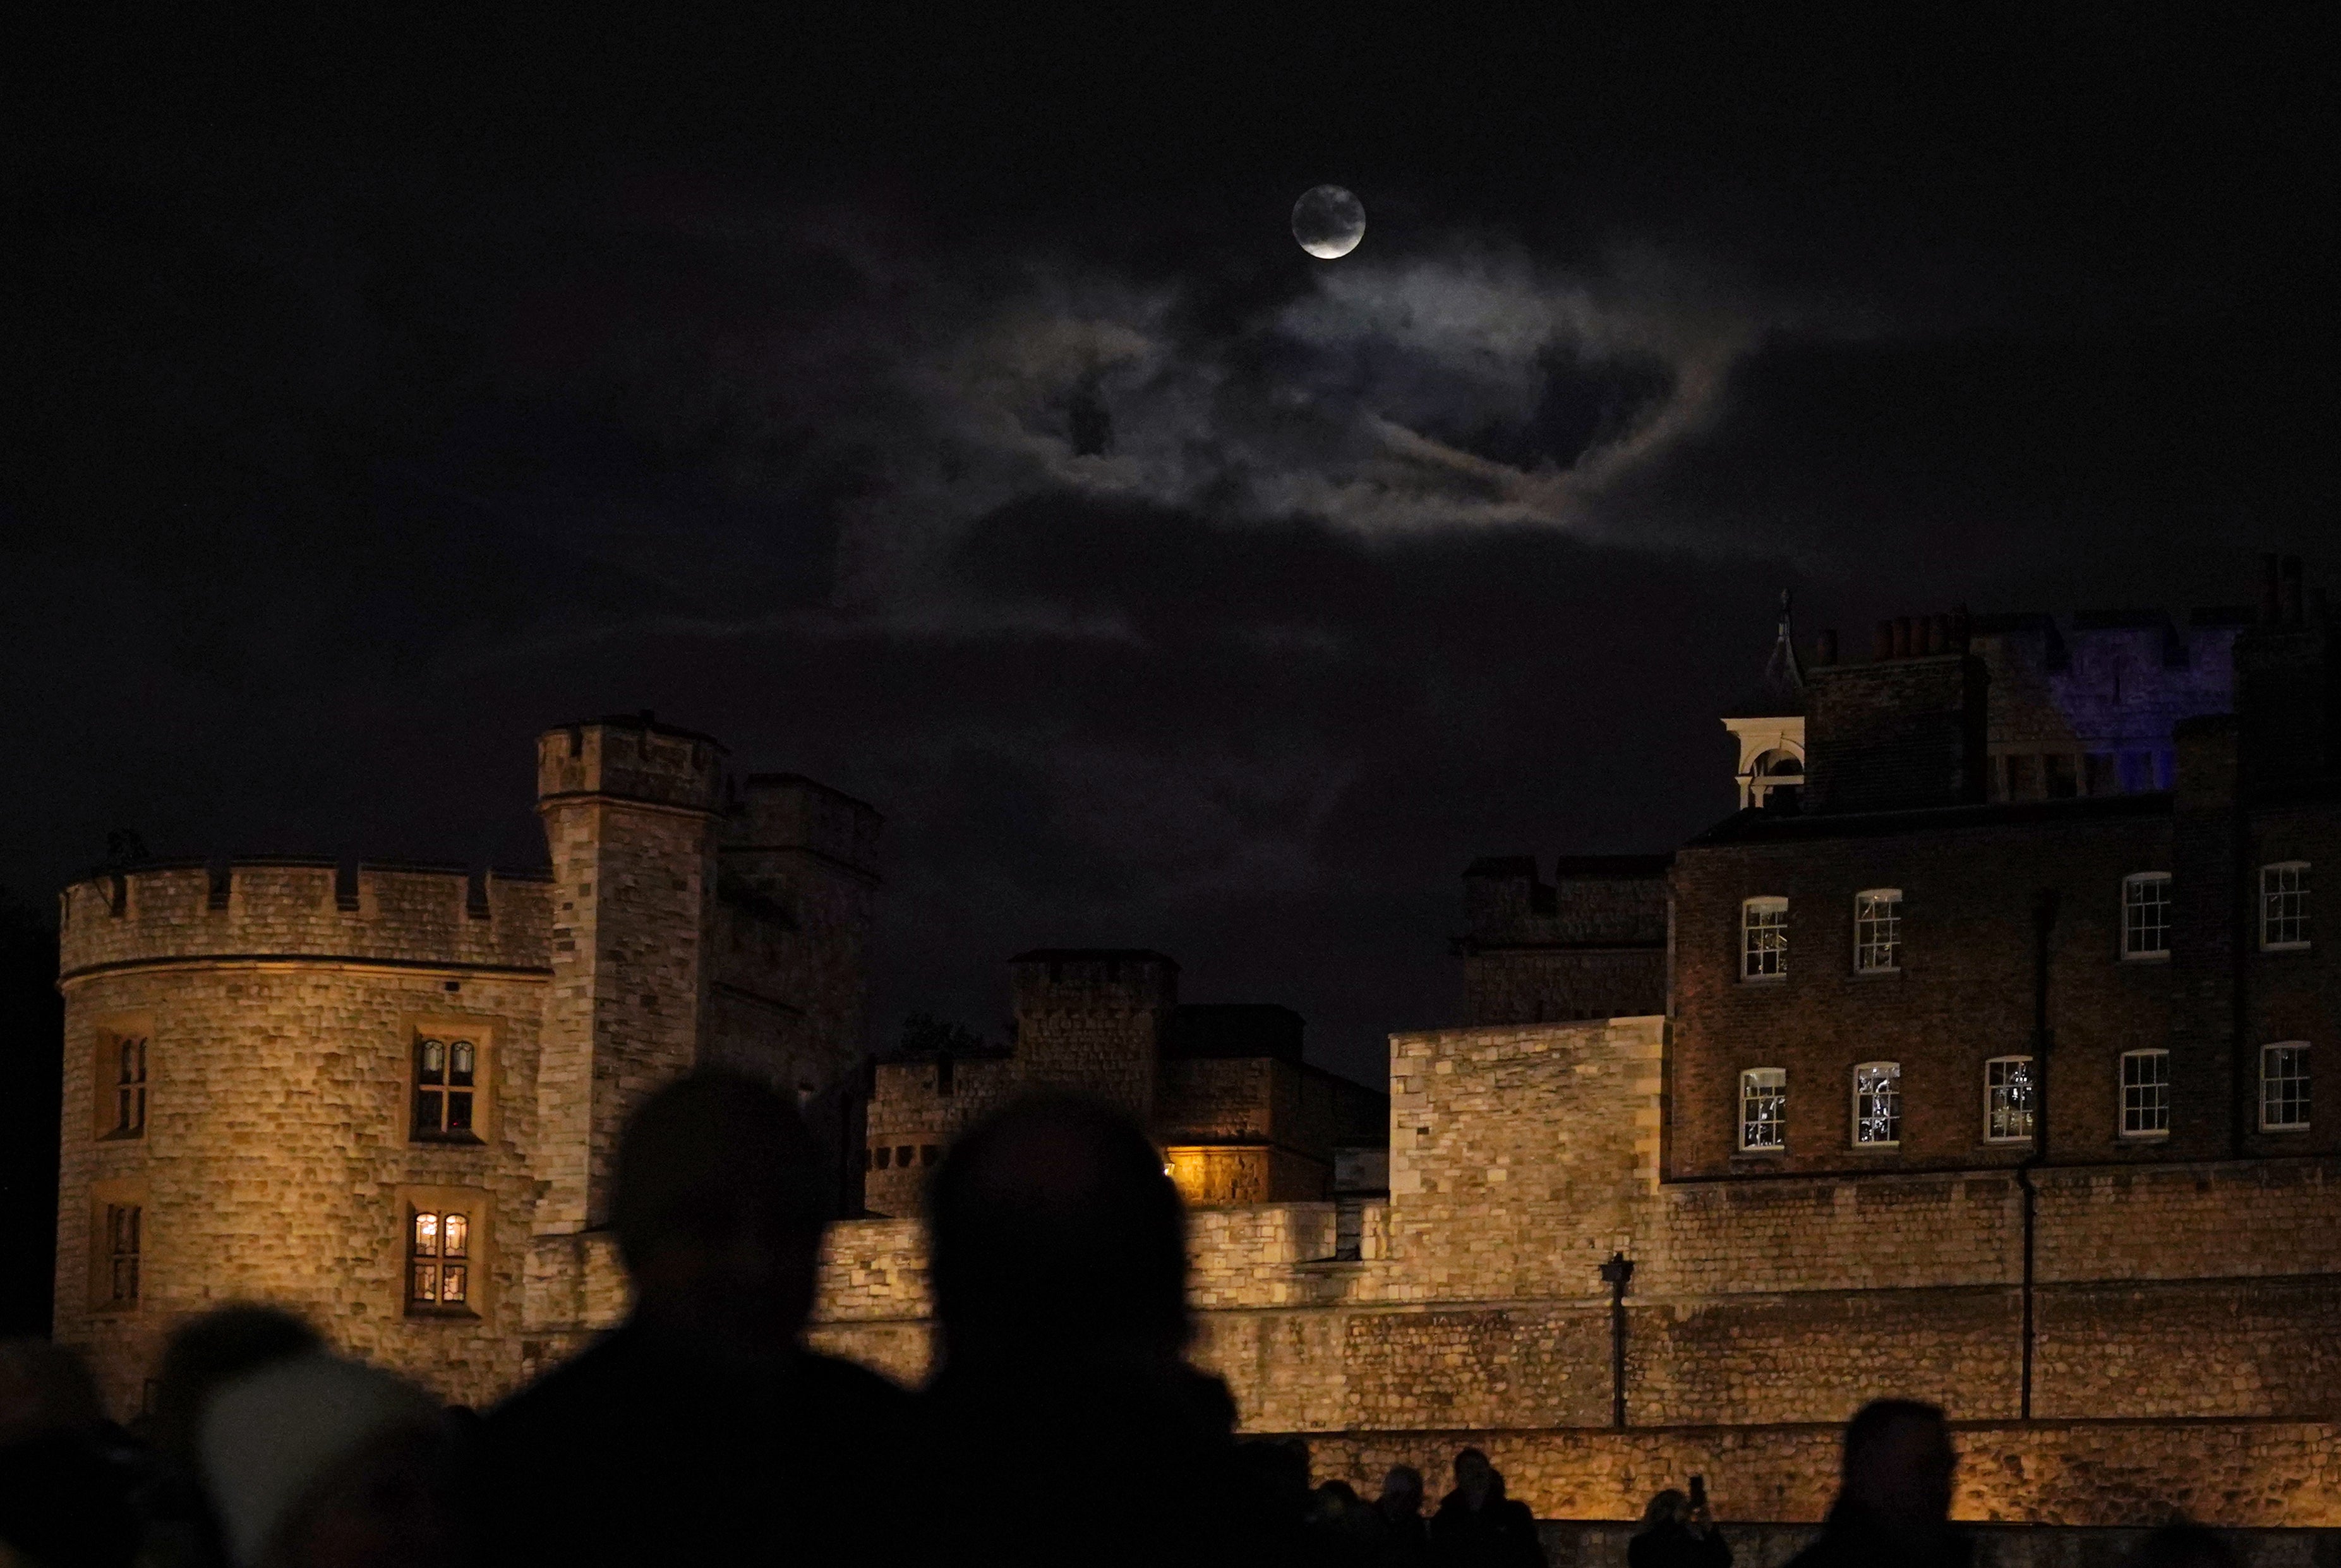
{"points": [[630, 815]]}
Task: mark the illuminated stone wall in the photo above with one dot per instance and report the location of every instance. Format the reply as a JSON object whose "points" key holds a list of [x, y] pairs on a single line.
{"points": [[1760, 1313]]}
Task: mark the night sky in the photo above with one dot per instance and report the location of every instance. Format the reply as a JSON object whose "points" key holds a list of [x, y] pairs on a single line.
{"points": [[947, 412]]}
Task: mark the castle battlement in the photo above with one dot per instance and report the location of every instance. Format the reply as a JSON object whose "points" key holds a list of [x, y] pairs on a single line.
{"points": [[635, 758], [304, 910]]}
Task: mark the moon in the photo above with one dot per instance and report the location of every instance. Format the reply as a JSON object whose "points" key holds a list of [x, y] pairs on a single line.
{"points": [[1329, 221]]}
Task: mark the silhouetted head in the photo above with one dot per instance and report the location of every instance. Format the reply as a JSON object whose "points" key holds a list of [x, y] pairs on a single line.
{"points": [[1055, 1188], [718, 1214], [1669, 1507], [2183, 1544], [1476, 1479], [1898, 1463], [1401, 1495], [215, 1349], [45, 1391]]}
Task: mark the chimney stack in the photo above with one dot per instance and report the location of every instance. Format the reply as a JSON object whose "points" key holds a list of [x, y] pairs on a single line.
{"points": [[1885, 641], [1825, 647]]}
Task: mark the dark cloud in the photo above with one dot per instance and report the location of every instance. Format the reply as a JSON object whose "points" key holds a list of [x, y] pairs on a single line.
{"points": [[946, 413]]}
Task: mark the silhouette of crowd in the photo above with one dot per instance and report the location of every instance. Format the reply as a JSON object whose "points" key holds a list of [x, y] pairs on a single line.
{"points": [[1064, 1423]]}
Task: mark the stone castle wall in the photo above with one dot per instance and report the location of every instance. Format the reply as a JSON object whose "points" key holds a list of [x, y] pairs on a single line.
{"points": [[1760, 1313]]}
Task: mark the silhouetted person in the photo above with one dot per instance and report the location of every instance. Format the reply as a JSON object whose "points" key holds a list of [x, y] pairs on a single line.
{"points": [[1340, 1528], [1477, 1526], [1676, 1533], [1402, 1536], [2182, 1543], [701, 1430], [203, 1355], [1064, 1426], [1894, 1503], [65, 1480], [315, 1462]]}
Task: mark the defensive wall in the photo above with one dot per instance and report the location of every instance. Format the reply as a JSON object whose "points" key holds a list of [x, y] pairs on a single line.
{"points": [[279, 1001], [2187, 1317]]}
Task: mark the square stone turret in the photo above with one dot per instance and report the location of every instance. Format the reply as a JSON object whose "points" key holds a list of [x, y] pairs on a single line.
{"points": [[1093, 1019], [630, 817]]}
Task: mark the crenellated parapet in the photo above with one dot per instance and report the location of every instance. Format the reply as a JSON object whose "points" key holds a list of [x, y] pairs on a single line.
{"points": [[304, 910]]}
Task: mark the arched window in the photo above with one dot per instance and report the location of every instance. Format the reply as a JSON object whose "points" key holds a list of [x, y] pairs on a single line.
{"points": [[1878, 1104], [439, 1256]]}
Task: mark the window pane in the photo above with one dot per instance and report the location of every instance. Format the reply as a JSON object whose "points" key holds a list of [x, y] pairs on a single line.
{"points": [[427, 1111], [451, 1282], [885, 1157], [426, 1234], [2284, 1087], [2284, 905], [459, 1111], [459, 1062], [2146, 916], [129, 1074], [1877, 930], [1765, 941], [2007, 1084], [1763, 1108], [454, 1230], [1878, 1103], [430, 1062], [2145, 1093], [426, 1282]]}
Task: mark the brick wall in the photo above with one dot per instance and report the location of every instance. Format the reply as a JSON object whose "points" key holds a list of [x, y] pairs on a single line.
{"points": [[1898, 732]]}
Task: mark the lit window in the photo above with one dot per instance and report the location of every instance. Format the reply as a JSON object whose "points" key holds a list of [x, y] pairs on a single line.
{"points": [[129, 1063], [1878, 1104], [1764, 939], [1877, 930], [2145, 1093], [446, 1078], [124, 1242], [2146, 915], [2007, 1099], [2284, 1087], [1764, 1108], [2284, 905], [440, 1262]]}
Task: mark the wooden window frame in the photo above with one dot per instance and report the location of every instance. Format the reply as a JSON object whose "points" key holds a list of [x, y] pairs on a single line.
{"points": [[451, 1032], [107, 1199], [1893, 1115], [2296, 918], [107, 1086], [2132, 929], [1752, 953], [1775, 1079], [2160, 1083], [2269, 1080], [476, 1205], [1880, 910], [2031, 1111]]}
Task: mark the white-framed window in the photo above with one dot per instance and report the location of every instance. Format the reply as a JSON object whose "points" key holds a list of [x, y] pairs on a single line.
{"points": [[2007, 1099], [1764, 939], [2284, 905], [2283, 1086], [2146, 1094], [1764, 1109], [1877, 931], [2146, 915], [1878, 1104]]}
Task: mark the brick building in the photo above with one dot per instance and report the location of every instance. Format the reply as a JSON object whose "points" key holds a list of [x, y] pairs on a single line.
{"points": [[1975, 1066], [1241, 1117], [387, 1096]]}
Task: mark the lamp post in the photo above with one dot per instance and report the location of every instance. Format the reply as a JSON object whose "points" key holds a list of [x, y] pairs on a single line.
{"points": [[1616, 1273]]}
